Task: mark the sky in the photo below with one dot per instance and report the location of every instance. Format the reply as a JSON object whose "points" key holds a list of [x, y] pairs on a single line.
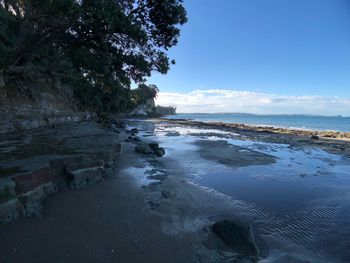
{"points": [[261, 56]]}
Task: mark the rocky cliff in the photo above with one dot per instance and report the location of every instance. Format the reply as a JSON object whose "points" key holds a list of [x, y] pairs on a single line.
{"points": [[24, 106]]}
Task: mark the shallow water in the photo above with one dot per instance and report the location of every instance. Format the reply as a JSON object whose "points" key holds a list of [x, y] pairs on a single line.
{"points": [[303, 198], [300, 204], [310, 122]]}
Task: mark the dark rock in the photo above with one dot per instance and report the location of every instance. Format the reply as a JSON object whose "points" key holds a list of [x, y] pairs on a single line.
{"points": [[160, 152], [314, 137], [154, 146], [119, 124], [238, 236], [172, 134], [143, 148], [7, 189], [137, 139], [83, 177], [166, 194]]}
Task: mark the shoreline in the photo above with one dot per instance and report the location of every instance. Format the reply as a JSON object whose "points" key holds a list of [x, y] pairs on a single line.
{"points": [[149, 208], [117, 219], [334, 142], [266, 128]]}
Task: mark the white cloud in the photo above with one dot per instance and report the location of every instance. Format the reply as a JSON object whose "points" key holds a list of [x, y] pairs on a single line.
{"points": [[215, 101]]}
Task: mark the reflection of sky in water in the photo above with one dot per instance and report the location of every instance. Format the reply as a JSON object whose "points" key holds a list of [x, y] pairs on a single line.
{"points": [[304, 197]]}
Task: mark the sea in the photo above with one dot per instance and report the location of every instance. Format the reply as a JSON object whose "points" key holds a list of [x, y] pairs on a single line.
{"points": [[304, 122]]}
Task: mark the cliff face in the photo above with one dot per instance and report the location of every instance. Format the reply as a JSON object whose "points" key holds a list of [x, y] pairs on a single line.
{"points": [[33, 105], [145, 109]]}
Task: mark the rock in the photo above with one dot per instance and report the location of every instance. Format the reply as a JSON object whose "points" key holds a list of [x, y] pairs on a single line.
{"points": [[238, 236], [119, 124], [143, 148], [7, 189], [32, 200], [154, 146], [134, 130], [175, 133], [77, 155], [160, 152], [166, 194], [83, 177], [137, 138], [9, 204], [314, 137]]}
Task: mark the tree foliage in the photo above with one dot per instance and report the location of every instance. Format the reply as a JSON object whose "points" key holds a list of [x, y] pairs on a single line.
{"points": [[143, 93], [99, 47]]}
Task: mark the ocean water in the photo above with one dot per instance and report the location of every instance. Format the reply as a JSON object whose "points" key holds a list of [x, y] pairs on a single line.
{"points": [[307, 122], [299, 205]]}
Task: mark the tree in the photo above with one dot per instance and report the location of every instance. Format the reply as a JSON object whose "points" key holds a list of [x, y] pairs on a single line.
{"points": [[96, 46], [143, 93]]}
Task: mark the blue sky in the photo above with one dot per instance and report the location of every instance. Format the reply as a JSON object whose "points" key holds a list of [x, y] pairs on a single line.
{"points": [[273, 48]]}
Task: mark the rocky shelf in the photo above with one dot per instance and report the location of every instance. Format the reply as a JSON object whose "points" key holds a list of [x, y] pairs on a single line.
{"points": [[38, 163]]}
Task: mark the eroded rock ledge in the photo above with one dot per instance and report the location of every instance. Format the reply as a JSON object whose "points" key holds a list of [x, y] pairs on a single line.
{"points": [[38, 163]]}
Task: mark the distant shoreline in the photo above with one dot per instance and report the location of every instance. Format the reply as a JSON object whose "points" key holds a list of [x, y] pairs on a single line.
{"points": [[309, 134], [311, 123]]}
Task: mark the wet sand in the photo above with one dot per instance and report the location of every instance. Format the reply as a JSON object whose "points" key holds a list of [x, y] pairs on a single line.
{"points": [[162, 209], [107, 222]]}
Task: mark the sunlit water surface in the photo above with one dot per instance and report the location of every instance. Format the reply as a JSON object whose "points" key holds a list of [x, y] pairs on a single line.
{"points": [[301, 201]]}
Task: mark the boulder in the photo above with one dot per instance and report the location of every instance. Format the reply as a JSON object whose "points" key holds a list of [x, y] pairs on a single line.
{"points": [[160, 152], [154, 146], [237, 236], [314, 137], [143, 148]]}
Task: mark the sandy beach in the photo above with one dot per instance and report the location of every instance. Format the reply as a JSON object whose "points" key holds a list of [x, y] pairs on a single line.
{"points": [[219, 194]]}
